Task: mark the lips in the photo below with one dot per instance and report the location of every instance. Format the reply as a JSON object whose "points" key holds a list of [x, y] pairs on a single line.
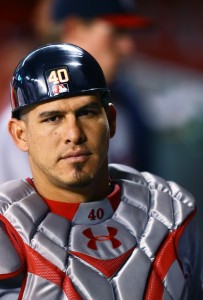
{"points": [[76, 156]]}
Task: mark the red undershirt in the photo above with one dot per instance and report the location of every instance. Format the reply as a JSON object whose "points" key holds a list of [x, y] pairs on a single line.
{"points": [[68, 210]]}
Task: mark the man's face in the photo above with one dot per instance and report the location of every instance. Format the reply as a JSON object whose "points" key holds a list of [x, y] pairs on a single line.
{"points": [[67, 140], [109, 45]]}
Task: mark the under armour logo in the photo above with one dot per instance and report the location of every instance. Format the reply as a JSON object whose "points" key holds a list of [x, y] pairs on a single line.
{"points": [[92, 244]]}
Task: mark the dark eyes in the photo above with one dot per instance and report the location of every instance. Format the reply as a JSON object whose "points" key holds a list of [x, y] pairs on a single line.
{"points": [[87, 112], [55, 119]]}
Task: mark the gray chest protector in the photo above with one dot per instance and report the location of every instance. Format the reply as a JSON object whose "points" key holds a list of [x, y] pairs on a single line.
{"points": [[129, 254]]}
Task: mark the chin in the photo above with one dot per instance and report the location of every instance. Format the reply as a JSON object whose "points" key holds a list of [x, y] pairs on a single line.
{"points": [[80, 176], [77, 183], [77, 180], [82, 179]]}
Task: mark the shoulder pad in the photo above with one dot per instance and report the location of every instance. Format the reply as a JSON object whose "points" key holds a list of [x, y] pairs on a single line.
{"points": [[9, 259], [13, 191]]}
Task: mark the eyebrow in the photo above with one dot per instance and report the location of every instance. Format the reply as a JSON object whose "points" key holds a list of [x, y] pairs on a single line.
{"points": [[51, 113], [91, 105]]}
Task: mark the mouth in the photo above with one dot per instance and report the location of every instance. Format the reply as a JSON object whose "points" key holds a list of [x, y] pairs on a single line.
{"points": [[76, 156]]}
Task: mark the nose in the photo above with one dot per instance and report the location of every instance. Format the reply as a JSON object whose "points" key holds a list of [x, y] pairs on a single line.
{"points": [[73, 131]]}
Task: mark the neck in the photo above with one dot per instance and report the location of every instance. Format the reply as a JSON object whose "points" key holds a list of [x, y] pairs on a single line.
{"points": [[98, 189]]}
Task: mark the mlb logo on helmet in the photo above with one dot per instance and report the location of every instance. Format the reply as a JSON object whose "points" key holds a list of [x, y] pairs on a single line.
{"points": [[57, 81], [58, 89]]}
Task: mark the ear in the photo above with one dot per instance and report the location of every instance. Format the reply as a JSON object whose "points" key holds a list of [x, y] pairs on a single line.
{"points": [[17, 130], [111, 116]]}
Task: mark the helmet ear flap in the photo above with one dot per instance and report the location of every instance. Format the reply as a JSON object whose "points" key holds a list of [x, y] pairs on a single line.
{"points": [[105, 98], [53, 72], [16, 99], [111, 116]]}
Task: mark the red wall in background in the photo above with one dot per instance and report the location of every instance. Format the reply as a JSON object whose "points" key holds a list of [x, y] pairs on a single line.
{"points": [[177, 35], [178, 31]]}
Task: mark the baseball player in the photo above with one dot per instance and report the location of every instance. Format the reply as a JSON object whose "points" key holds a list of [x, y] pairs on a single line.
{"points": [[80, 228]]}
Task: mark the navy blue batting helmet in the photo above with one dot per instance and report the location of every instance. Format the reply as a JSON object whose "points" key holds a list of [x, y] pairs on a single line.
{"points": [[56, 71]]}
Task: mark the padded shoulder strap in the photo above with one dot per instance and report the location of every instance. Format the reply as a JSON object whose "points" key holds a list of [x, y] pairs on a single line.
{"points": [[13, 196], [10, 261], [13, 191], [182, 202]]}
